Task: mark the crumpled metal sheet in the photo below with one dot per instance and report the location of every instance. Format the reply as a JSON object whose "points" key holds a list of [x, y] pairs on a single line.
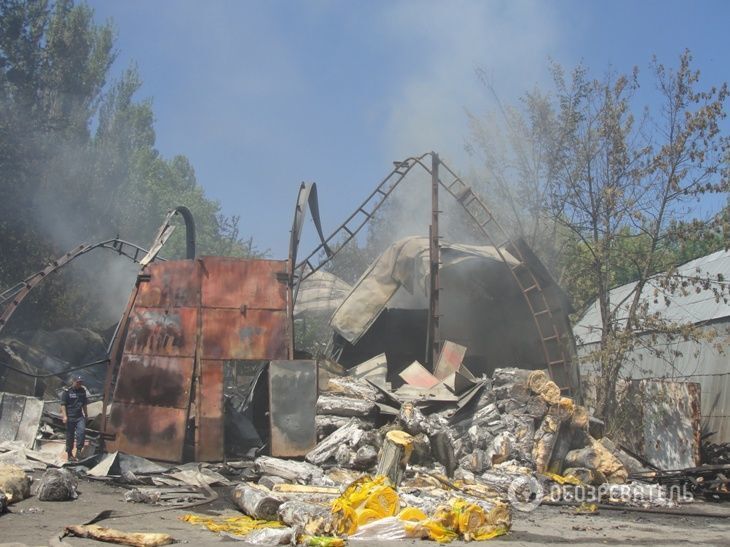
{"points": [[405, 263], [19, 418]]}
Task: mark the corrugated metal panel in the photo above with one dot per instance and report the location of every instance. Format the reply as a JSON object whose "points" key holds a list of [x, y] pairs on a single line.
{"points": [[321, 291], [693, 307]]}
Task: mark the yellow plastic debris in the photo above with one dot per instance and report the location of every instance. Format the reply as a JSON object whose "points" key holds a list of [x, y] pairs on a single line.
{"points": [[562, 479], [345, 520], [490, 532], [412, 514], [383, 500], [367, 515], [469, 516], [238, 525], [469, 521], [365, 500], [431, 529], [322, 541], [586, 508]]}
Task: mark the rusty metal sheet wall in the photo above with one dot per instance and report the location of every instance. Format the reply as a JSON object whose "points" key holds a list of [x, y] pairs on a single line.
{"points": [[155, 381], [244, 317], [151, 401], [157, 331], [209, 446], [258, 334], [292, 407], [232, 283], [171, 284], [205, 311], [153, 432]]}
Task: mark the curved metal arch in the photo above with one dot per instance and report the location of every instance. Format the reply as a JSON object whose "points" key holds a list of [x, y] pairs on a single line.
{"points": [[11, 298], [358, 219]]}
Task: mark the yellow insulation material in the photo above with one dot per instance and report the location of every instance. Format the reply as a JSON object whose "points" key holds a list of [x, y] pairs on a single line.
{"points": [[238, 525]]}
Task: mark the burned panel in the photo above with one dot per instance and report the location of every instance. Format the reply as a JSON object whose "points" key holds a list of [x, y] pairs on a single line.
{"points": [[188, 319], [19, 418], [292, 404], [210, 434], [257, 334], [151, 400], [155, 331], [153, 432], [170, 285], [157, 381], [661, 421], [233, 283], [671, 423]]}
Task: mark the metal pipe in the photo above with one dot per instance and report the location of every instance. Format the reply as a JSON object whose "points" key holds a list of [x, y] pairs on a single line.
{"points": [[434, 258], [189, 230]]}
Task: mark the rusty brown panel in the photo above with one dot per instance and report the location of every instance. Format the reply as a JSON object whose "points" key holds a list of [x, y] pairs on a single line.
{"points": [[209, 445], [292, 407], [170, 284], [153, 380], [153, 331], [236, 282], [257, 334], [153, 432]]}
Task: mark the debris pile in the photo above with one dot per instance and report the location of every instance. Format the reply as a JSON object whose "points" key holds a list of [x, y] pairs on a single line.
{"points": [[445, 456], [715, 453]]}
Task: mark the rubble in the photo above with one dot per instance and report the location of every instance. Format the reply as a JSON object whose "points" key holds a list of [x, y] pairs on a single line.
{"points": [[438, 462], [256, 502], [56, 485], [14, 483]]}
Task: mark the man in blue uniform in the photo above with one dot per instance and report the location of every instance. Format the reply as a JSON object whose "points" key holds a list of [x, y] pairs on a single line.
{"points": [[74, 413]]}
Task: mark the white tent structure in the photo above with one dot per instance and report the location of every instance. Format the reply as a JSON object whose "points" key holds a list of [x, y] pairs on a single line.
{"points": [[705, 362]]}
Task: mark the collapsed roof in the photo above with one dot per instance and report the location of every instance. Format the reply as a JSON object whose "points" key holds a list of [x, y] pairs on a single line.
{"points": [[482, 307]]}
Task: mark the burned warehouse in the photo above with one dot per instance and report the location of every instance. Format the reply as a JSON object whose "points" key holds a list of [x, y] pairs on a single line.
{"points": [[443, 396]]}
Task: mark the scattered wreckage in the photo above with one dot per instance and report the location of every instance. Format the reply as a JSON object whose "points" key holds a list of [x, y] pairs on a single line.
{"points": [[410, 425]]}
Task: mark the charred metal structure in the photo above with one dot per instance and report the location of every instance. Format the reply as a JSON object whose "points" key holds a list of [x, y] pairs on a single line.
{"points": [[196, 330]]}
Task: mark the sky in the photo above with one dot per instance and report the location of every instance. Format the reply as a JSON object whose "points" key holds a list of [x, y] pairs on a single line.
{"points": [[262, 95]]}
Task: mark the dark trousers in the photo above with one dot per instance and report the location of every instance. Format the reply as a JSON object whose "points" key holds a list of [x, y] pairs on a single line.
{"points": [[75, 429]]}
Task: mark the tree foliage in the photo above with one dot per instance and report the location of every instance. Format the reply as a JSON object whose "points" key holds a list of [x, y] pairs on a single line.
{"points": [[607, 192], [77, 155]]}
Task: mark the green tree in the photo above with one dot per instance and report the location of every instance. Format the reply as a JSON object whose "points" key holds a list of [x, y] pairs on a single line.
{"points": [[616, 184], [77, 156]]}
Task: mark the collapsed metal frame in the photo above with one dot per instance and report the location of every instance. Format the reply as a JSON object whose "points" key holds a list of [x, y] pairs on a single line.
{"points": [[544, 320], [11, 298], [532, 292]]}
